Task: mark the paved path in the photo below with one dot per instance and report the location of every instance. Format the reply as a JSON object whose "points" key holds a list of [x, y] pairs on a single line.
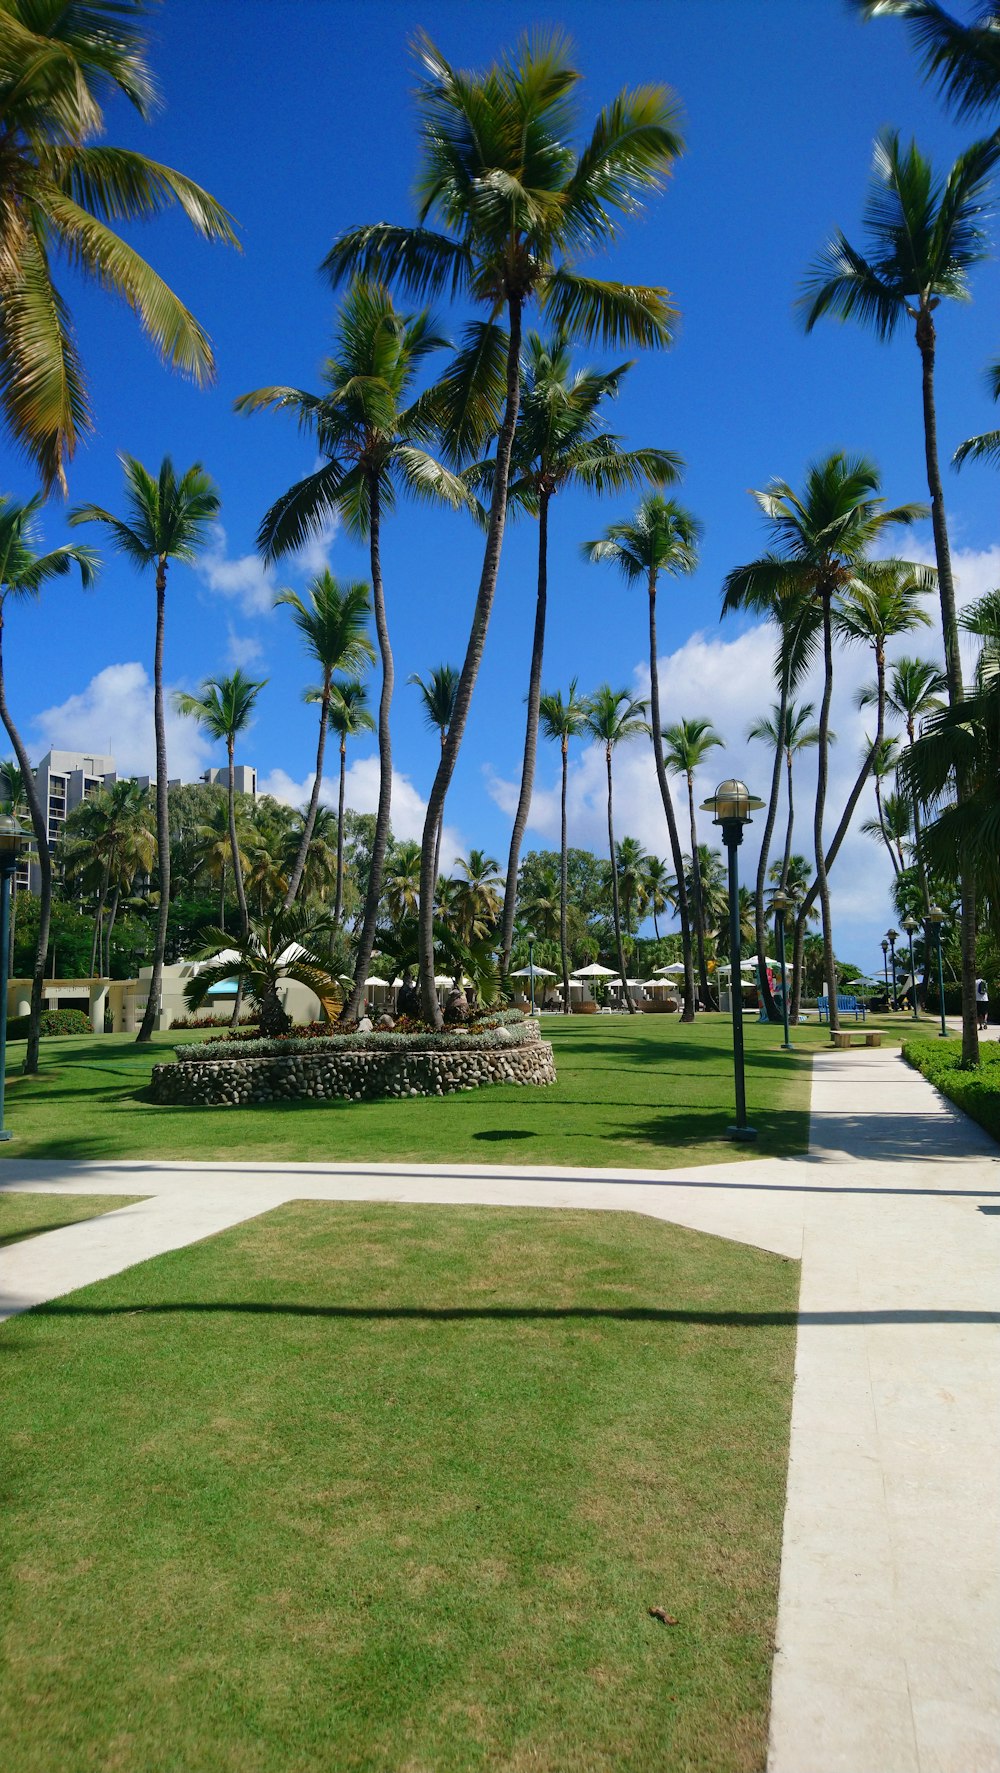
{"points": [[888, 1657]]}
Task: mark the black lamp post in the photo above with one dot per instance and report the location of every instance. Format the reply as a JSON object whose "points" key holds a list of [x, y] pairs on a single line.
{"points": [[779, 905], [892, 937], [732, 803], [910, 924], [885, 968], [13, 843], [531, 968], [935, 917]]}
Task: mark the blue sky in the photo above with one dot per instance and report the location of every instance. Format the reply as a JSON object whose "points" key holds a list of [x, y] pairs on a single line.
{"points": [[298, 115]]}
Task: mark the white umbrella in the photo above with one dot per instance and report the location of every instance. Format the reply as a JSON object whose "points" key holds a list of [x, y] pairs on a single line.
{"points": [[595, 971], [374, 981], [676, 966], [539, 972], [745, 967]]}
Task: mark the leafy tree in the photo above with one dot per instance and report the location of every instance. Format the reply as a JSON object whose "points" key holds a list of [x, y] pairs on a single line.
{"points": [[562, 721], [401, 885], [478, 895], [108, 839], [614, 718], [686, 745]]}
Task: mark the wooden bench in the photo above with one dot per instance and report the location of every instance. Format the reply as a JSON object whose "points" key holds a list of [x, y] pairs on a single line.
{"points": [[847, 1037]]}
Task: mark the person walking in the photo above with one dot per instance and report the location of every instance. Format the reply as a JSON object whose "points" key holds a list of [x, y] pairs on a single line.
{"points": [[982, 1005]]}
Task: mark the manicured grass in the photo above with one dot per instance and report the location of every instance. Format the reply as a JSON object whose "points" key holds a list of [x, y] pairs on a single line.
{"points": [[978, 1091], [22, 1215], [383, 1488]]}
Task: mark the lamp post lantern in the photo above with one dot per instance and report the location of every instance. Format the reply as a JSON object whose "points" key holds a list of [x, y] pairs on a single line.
{"points": [[885, 968], [910, 924], [892, 937], [935, 917], [13, 843], [779, 905], [732, 803], [531, 968]]}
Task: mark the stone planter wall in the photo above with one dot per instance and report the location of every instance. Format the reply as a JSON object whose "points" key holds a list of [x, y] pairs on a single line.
{"points": [[332, 1075]]}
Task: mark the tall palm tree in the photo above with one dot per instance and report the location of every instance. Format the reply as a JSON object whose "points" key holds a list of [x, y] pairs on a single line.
{"points": [[166, 519], [109, 837], [373, 432], [613, 718], [894, 827], [62, 190], [925, 234], [349, 715], [438, 697], [685, 747], [914, 691], [23, 573], [658, 889], [794, 734], [559, 443], [332, 620], [516, 204], [884, 763], [401, 886], [661, 538], [562, 721], [212, 849], [478, 895], [629, 862], [823, 538]]}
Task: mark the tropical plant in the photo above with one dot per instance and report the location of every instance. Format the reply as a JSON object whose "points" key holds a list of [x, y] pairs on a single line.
{"points": [[561, 721], [893, 827], [373, 432], [348, 716], [321, 856], [62, 189], [963, 58], [630, 859], [925, 234], [211, 849], [516, 203], [659, 889], [685, 747], [438, 697], [401, 883], [823, 540], [614, 718], [661, 538], [332, 620], [478, 899], [914, 690], [795, 733], [542, 912], [23, 573], [885, 758], [287, 944], [166, 519], [108, 839]]}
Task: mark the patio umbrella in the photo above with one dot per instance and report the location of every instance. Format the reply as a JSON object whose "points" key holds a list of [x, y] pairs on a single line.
{"points": [[374, 981], [676, 966], [595, 971], [539, 972]]}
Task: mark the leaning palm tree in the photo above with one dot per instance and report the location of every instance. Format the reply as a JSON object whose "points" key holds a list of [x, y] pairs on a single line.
{"points": [[374, 433], [166, 519], [925, 234], [685, 747], [661, 538], [613, 718], [562, 721], [517, 204], [349, 715], [438, 697], [62, 189], [823, 538], [559, 444], [332, 620], [23, 573], [893, 826]]}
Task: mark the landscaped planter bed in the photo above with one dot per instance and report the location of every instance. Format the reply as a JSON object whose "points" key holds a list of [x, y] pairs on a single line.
{"points": [[355, 1067]]}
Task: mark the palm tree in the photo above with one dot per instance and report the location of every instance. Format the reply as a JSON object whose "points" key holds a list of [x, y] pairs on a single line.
{"points": [[714, 878], [925, 234], [661, 538], [348, 716], [373, 434], [686, 745], [613, 718], [332, 620], [15, 803], [166, 519], [516, 203], [558, 443], [23, 573], [478, 896], [658, 889], [543, 911], [796, 733], [964, 59], [321, 856], [212, 850], [885, 758], [62, 190], [287, 944], [562, 721], [438, 697], [110, 837], [893, 827], [822, 541], [401, 886], [913, 691]]}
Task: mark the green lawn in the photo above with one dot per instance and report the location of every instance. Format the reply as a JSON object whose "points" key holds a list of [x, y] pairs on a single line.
{"points": [[22, 1215], [357, 1487]]}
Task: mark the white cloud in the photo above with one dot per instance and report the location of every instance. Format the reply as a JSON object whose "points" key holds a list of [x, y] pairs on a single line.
{"points": [[246, 579], [115, 714], [314, 555], [361, 794], [242, 649]]}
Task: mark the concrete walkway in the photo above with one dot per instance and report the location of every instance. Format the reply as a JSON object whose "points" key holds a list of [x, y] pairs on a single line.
{"points": [[888, 1651]]}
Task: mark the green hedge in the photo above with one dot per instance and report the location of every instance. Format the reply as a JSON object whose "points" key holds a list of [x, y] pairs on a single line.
{"points": [[508, 1028], [52, 1022], [977, 1092]]}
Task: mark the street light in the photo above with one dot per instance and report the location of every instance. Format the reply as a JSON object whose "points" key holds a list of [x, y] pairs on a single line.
{"points": [[531, 968], [732, 803], [935, 917], [910, 924], [892, 937], [13, 843], [885, 967], [780, 903]]}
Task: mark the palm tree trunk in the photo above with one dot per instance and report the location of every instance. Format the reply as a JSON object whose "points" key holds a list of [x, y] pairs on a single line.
{"points": [[615, 902], [98, 940], [222, 897], [380, 841], [237, 872], [162, 816], [530, 736], [760, 929], [470, 668], [699, 913], [687, 952], [786, 858], [40, 827], [112, 914], [925, 891], [822, 884], [437, 840], [926, 344], [295, 878], [338, 903], [886, 839], [563, 877]]}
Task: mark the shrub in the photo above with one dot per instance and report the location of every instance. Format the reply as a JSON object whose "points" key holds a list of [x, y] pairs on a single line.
{"points": [[508, 1028], [976, 1091], [52, 1022], [249, 1020]]}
